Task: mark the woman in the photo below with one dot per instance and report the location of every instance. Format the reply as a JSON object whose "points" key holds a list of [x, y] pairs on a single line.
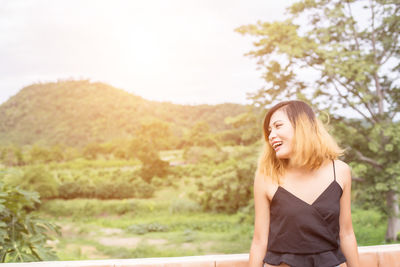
{"points": [[301, 194]]}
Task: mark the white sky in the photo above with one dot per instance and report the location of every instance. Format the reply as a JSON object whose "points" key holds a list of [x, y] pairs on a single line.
{"points": [[182, 51]]}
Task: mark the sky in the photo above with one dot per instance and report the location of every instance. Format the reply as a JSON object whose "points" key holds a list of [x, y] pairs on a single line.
{"points": [[181, 51]]}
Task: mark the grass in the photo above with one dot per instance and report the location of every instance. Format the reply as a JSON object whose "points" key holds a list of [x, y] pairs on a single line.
{"points": [[188, 231], [186, 234]]}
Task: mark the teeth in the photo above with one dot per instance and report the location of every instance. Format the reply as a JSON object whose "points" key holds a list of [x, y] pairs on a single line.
{"points": [[276, 144]]}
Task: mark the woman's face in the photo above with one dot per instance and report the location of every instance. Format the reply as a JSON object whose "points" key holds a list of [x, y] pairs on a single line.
{"points": [[281, 134]]}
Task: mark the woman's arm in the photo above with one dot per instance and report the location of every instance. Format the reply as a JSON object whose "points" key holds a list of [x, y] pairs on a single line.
{"points": [[348, 241], [261, 223]]}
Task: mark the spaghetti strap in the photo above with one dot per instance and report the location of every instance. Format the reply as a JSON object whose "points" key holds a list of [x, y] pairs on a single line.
{"points": [[334, 172]]}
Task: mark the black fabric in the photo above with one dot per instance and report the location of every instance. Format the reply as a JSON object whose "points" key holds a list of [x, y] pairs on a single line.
{"points": [[304, 235]]}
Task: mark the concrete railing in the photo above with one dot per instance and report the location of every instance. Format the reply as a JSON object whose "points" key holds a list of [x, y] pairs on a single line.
{"points": [[372, 256]]}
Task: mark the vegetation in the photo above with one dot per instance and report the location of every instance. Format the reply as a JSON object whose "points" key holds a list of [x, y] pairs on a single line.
{"points": [[22, 235], [229, 187], [34, 178], [98, 113]]}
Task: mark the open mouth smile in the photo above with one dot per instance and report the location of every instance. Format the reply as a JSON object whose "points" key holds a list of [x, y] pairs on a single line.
{"points": [[276, 145]]}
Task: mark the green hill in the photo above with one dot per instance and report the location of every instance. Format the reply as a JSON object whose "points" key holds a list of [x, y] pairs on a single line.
{"points": [[76, 113]]}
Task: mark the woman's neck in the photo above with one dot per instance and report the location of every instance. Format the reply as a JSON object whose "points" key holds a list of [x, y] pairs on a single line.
{"points": [[292, 168]]}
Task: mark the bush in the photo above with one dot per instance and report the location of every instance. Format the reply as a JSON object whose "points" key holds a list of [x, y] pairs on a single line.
{"points": [[86, 207], [103, 185], [184, 206], [157, 182], [153, 167], [228, 189], [95, 207], [197, 154], [22, 236], [36, 178], [141, 229], [193, 170], [369, 227], [142, 189]]}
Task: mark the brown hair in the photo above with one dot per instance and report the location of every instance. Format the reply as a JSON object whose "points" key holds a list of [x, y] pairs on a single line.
{"points": [[312, 144]]}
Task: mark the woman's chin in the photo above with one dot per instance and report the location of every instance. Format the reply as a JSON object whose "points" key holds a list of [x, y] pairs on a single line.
{"points": [[281, 155]]}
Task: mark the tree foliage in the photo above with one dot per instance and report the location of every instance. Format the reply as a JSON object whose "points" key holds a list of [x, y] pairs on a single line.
{"points": [[23, 236], [102, 184], [146, 146], [200, 135], [228, 188], [342, 56], [246, 125], [206, 155], [34, 178]]}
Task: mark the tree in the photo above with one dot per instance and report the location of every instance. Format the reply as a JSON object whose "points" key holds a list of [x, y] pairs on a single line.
{"points": [[38, 178], [245, 124], [149, 139], [39, 154], [199, 135], [351, 50], [91, 151], [229, 187], [152, 164], [12, 155], [156, 132]]}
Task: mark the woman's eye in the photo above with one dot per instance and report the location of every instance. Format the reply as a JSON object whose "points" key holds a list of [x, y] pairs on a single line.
{"points": [[278, 125]]}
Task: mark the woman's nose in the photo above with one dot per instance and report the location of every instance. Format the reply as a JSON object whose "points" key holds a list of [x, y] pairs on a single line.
{"points": [[271, 135]]}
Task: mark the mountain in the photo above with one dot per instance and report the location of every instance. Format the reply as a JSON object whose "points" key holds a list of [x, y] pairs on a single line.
{"points": [[76, 113]]}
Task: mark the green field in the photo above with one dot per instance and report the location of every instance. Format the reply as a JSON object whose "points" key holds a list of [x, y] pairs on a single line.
{"points": [[167, 225]]}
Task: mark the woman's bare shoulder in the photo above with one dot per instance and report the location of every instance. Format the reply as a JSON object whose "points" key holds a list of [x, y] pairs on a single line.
{"points": [[266, 184], [341, 166], [261, 178], [343, 172]]}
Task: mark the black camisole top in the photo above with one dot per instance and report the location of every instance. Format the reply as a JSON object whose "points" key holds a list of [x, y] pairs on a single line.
{"points": [[303, 234]]}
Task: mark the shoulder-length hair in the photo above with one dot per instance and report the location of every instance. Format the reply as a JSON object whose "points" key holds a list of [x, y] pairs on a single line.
{"points": [[311, 143]]}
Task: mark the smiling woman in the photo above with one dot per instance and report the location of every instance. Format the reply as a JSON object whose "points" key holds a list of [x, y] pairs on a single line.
{"points": [[302, 136], [301, 194]]}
